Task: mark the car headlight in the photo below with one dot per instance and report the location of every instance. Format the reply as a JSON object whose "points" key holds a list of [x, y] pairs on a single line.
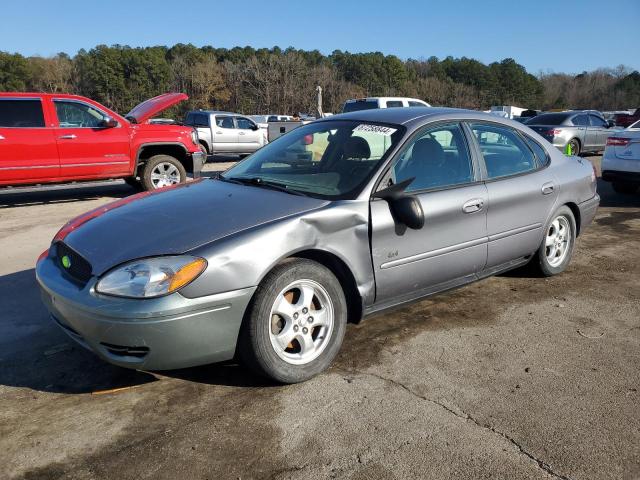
{"points": [[151, 277], [194, 137]]}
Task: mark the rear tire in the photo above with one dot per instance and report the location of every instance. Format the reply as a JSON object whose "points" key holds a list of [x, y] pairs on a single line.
{"points": [[295, 323], [555, 251], [163, 171], [624, 188], [575, 147]]}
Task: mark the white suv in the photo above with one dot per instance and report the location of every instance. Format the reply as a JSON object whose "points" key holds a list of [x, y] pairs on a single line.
{"points": [[369, 103]]}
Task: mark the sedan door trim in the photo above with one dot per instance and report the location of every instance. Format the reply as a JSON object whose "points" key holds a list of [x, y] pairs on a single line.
{"points": [[434, 253], [514, 231]]}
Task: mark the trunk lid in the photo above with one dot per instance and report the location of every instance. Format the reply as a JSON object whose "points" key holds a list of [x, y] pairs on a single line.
{"points": [[147, 109]]}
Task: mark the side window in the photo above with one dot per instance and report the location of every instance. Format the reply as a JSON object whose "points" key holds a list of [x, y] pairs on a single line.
{"points": [[190, 119], [538, 150], [503, 150], [78, 115], [413, 103], [394, 103], [437, 158], [225, 122], [580, 120], [272, 118], [201, 120], [21, 113], [244, 123], [597, 121]]}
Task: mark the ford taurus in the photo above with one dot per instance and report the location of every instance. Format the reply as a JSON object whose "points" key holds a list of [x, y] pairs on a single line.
{"points": [[338, 219]]}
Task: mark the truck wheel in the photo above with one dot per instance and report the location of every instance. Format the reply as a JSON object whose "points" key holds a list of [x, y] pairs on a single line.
{"points": [[556, 248], [624, 188], [163, 171], [295, 323]]}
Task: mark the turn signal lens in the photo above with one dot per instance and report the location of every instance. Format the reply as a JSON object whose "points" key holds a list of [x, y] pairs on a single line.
{"points": [[187, 273]]}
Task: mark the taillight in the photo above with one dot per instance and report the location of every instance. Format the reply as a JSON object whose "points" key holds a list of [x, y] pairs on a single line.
{"points": [[617, 142], [553, 132]]}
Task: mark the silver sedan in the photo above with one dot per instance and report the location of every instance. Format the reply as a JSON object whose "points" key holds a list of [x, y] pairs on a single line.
{"points": [[339, 219]]}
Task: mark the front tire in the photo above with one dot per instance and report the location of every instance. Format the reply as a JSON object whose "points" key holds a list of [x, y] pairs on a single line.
{"points": [[294, 326], [163, 171], [554, 254], [624, 188]]}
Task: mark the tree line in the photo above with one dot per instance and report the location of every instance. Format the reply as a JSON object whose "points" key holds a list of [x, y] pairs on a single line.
{"points": [[254, 81]]}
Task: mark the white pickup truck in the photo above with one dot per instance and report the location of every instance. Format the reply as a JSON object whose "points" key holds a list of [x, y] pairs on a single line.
{"points": [[225, 132]]}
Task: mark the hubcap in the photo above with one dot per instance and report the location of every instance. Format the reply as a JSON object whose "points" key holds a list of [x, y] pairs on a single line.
{"points": [[301, 322], [165, 174], [558, 241]]}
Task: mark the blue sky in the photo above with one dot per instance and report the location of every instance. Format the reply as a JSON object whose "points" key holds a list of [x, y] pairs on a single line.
{"points": [[556, 35]]}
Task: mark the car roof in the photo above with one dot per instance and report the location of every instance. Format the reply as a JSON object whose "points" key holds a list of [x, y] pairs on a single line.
{"points": [[404, 116]]}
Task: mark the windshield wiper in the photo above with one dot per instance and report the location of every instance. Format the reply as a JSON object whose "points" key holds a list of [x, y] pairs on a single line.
{"points": [[261, 182]]}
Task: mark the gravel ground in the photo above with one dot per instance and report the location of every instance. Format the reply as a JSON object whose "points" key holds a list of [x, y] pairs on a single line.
{"points": [[512, 377]]}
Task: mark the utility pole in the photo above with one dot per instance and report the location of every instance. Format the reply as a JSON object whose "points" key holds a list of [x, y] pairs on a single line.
{"points": [[319, 106]]}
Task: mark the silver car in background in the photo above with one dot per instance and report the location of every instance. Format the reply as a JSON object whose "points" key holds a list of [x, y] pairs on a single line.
{"points": [[338, 219], [584, 130]]}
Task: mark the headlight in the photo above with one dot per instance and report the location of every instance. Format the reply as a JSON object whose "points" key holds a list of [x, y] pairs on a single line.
{"points": [[151, 277], [194, 137]]}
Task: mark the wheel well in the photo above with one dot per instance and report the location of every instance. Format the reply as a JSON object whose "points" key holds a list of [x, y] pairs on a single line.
{"points": [[206, 147], [344, 276], [576, 214], [176, 151]]}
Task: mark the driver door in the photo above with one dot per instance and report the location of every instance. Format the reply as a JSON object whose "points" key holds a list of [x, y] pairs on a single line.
{"points": [[87, 149], [452, 246]]}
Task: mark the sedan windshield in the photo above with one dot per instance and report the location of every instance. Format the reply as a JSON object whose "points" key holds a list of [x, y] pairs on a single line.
{"points": [[330, 159]]}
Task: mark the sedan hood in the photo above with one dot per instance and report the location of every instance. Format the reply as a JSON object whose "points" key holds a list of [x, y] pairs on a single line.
{"points": [[147, 109], [176, 220]]}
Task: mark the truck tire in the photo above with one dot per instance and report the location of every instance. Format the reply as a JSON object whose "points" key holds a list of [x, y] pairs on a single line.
{"points": [[163, 171]]}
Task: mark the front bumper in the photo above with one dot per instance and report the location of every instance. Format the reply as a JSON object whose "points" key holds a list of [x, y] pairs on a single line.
{"points": [[199, 159], [588, 210], [154, 334]]}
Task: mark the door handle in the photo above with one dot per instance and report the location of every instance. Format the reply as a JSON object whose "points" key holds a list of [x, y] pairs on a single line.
{"points": [[474, 205], [70, 136], [240, 133], [548, 188], [218, 133]]}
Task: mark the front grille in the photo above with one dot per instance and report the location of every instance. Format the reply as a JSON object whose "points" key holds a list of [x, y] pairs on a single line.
{"points": [[72, 263]]}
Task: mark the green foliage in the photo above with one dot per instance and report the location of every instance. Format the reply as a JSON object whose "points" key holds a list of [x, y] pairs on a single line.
{"points": [[273, 80]]}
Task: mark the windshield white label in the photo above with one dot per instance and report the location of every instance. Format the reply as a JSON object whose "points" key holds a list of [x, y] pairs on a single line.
{"points": [[386, 131]]}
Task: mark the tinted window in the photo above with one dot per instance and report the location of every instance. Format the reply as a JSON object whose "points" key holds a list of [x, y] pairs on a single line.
{"points": [[597, 121], [548, 119], [272, 118], [394, 103], [225, 122], [21, 113], [359, 105], [78, 115], [413, 103], [538, 150], [504, 151], [436, 158], [580, 120], [244, 123]]}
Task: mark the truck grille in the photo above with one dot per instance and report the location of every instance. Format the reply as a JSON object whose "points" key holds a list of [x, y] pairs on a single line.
{"points": [[72, 263]]}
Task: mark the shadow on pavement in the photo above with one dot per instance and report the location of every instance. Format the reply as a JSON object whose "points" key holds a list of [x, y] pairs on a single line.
{"points": [[609, 198], [36, 354]]}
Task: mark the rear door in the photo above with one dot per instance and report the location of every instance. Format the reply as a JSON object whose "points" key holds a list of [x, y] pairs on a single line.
{"points": [[87, 149], [225, 134], [452, 245], [522, 191], [27, 145], [249, 135], [601, 130]]}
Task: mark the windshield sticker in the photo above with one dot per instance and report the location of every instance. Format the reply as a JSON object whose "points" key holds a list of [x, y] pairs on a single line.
{"points": [[386, 131]]}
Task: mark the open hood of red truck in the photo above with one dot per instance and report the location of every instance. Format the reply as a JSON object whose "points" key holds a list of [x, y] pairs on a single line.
{"points": [[147, 109]]}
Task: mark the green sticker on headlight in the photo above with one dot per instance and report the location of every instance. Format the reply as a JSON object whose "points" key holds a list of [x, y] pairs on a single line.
{"points": [[66, 261]]}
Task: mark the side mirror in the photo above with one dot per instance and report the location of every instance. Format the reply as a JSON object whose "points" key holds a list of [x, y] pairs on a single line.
{"points": [[254, 127], [109, 122], [405, 208], [611, 124]]}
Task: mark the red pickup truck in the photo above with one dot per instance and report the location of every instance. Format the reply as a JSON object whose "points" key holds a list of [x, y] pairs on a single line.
{"points": [[52, 138]]}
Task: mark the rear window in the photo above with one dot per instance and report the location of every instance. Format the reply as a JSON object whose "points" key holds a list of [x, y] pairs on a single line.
{"points": [[548, 119], [21, 113], [359, 105]]}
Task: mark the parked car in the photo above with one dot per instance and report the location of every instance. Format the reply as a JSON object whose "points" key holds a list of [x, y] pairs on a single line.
{"points": [[226, 132], [621, 160], [626, 119], [270, 118], [52, 138], [584, 130], [301, 244], [381, 102]]}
